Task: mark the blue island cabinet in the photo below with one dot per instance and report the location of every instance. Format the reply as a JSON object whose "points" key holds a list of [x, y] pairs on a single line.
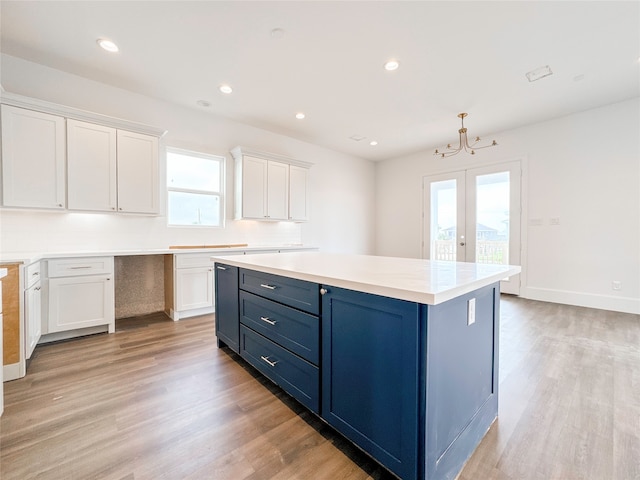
{"points": [[227, 294], [413, 385]]}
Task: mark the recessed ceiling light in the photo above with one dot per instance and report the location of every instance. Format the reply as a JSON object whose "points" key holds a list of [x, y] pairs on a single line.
{"points": [[226, 89], [204, 103], [391, 65], [107, 45], [357, 138], [539, 73], [277, 33], [373, 143], [299, 115]]}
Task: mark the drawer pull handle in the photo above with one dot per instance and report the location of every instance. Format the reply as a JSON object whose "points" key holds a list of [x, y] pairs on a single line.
{"points": [[78, 268], [268, 320], [35, 273], [270, 287], [269, 362], [221, 268]]}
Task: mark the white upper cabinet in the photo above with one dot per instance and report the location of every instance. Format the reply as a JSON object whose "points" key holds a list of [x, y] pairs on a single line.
{"points": [[91, 166], [253, 188], [111, 169], [277, 191], [33, 159], [55, 157], [138, 175], [270, 187], [298, 191]]}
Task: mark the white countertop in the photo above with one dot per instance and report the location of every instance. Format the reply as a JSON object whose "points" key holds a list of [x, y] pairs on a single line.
{"points": [[30, 257], [423, 281]]}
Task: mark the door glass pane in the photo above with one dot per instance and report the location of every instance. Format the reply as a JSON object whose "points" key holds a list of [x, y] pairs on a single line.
{"points": [[443, 220], [492, 218]]}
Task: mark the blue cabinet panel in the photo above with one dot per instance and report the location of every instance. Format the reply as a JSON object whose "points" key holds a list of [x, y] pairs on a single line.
{"points": [[227, 314], [289, 291], [371, 375], [296, 376], [462, 388], [297, 331]]}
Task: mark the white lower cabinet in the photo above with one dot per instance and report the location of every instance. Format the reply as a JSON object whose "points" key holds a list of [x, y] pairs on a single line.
{"points": [[81, 294], [194, 288]]}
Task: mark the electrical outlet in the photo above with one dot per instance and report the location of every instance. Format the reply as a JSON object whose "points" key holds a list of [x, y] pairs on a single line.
{"points": [[554, 221], [616, 285], [471, 312]]}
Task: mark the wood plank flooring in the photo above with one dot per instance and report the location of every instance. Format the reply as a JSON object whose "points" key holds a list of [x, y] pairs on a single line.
{"points": [[158, 400]]}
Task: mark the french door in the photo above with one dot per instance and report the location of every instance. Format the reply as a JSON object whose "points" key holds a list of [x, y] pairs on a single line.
{"points": [[474, 216]]}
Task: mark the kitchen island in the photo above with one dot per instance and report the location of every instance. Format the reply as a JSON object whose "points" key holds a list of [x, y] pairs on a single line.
{"points": [[399, 355]]}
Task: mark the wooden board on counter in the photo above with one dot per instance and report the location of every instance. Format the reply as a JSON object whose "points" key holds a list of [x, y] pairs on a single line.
{"points": [[189, 247]]}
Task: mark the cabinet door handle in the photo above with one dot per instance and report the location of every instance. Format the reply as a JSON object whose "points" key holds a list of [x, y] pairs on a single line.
{"points": [[268, 320], [221, 268], [35, 273], [79, 268], [269, 362], [270, 287], [323, 291]]}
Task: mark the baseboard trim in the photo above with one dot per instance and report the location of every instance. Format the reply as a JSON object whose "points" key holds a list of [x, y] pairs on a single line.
{"points": [[603, 302]]}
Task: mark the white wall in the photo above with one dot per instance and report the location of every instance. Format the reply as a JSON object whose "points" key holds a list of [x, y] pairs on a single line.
{"points": [[583, 169], [342, 186]]}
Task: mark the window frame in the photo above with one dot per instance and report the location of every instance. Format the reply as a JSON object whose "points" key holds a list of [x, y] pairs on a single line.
{"points": [[222, 160]]}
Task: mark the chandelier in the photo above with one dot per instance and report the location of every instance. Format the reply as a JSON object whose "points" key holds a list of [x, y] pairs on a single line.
{"points": [[463, 143]]}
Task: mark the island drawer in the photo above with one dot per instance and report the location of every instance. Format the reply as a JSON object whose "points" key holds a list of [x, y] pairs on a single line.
{"points": [[295, 330], [294, 375], [290, 291]]}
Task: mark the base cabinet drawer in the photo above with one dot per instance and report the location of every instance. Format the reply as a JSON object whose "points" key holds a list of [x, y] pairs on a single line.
{"points": [[74, 267], [297, 377], [297, 331]]}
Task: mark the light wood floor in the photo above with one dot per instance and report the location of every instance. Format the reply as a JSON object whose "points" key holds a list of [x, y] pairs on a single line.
{"points": [[158, 400]]}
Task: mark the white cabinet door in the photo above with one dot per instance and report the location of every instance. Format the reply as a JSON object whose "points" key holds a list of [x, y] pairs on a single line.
{"points": [[138, 175], [194, 288], [80, 302], [254, 187], [33, 159], [298, 205], [91, 166], [277, 191], [33, 317]]}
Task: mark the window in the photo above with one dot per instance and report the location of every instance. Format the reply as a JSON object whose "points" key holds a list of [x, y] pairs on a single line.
{"points": [[194, 188]]}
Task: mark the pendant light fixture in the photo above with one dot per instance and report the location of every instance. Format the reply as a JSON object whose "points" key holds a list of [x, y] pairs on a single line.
{"points": [[463, 143]]}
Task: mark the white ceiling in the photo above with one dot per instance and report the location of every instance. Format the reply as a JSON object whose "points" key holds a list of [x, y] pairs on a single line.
{"points": [[455, 56]]}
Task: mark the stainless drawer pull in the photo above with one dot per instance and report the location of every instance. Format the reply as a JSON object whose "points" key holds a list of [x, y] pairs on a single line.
{"points": [[221, 268], [266, 359], [269, 321], [78, 268], [270, 287], [35, 273]]}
